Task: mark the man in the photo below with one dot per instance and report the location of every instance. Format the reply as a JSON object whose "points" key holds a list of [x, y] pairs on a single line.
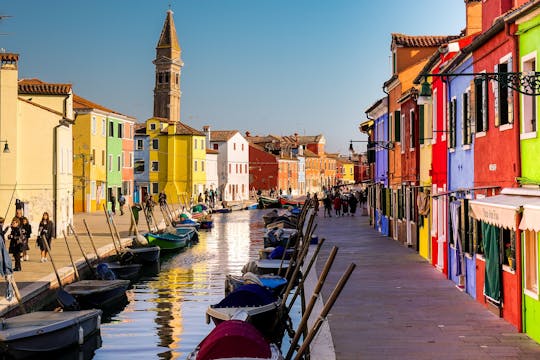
{"points": [[122, 202], [113, 204], [135, 208]]}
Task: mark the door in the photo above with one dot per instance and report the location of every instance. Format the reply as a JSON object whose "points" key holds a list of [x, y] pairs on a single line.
{"points": [[395, 213], [408, 214], [441, 236]]}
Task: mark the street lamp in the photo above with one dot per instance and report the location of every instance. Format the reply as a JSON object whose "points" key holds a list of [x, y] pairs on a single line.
{"points": [[6, 146]]}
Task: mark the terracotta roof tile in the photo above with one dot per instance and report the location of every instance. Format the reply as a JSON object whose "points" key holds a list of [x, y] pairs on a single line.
{"points": [[36, 86], [421, 40], [222, 135], [183, 129], [212, 151]]}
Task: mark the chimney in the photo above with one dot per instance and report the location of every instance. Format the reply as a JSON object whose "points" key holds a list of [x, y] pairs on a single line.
{"points": [[248, 134], [473, 13], [206, 131]]}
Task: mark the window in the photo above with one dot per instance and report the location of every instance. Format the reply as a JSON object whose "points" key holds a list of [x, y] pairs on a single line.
{"points": [[435, 118], [140, 144], [245, 168], [155, 188], [126, 188], [110, 162], [452, 123], [155, 144], [202, 165], [130, 164], [236, 169], [397, 126], [92, 189], [402, 131], [118, 162], [466, 118], [93, 156], [412, 138], [242, 147], [240, 168], [394, 62], [391, 127], [230, 168], [123, 159], [102, 157], [195, 143], [152, 126], [154, 166], [120, 131], [139, 166], [529, 102], [508, 240], [215, 146], [481, 105], [94, 125], [111, 129], [530, 265], [177, 76], [202, 144], [504, 98], [195, 165], [234, 146], [421, 124], [103, 127]]}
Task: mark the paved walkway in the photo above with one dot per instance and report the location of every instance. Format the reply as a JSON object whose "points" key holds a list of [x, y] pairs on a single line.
{"points": [[397, 306], [36, 277]]}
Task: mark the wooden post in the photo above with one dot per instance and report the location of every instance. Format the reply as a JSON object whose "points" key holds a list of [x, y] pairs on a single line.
{"points": [[91, 240], [82, 250], [46, 244], [309, 308], [144, 209], [77, 277], [117, 234], [111, 230], [324, 313], [13, 283], [133, 220]]}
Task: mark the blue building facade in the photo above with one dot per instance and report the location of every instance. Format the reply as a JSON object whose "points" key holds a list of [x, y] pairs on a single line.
{"points": [[141, 166]]}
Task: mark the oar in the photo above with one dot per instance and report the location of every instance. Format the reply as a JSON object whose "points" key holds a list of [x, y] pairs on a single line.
{"points": [[165, 218], [81, 248], [133, 219], [111, 231], [77, 277], [91, 240], [46, 244], [314, 297], [117, 234], [324, 313], [144, 210], [11, 280]]}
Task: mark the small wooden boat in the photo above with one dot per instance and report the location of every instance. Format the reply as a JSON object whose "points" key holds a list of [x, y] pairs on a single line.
{"points": [[282, 224], [272, 266], [273, 283], [290, 202], [253, 206], [235, 339], [122, 271], [191, 232], [143, 254], [187, 223], [280, 237], [207, 224], [258, 305], [268, 202], [222, 210], [270, 216], [46, 331], [98, 294], [168, 242]]}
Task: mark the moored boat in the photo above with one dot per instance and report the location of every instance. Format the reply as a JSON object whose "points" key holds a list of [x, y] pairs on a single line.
{"points": [[273, 283], [235, 339], [98, 294], [143, 254], [268, 202], [207, 224], [168, 242], [122, 271], [46, 331], [290, 202], [191, 232]]}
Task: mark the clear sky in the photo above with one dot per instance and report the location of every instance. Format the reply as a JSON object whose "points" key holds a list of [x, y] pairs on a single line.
{"points": [[267, 66]]}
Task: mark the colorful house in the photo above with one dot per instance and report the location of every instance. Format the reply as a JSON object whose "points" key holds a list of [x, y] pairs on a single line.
{"points": [[128, 176], [141, 163], [35, 115], [263, 168]]}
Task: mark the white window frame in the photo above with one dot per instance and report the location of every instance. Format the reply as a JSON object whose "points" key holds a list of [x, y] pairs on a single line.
{"points": [[152, 145], [110, 162], [411, 129], [526, 250], [152, 165], [94, 125], [445, 112], [153, 126], [526, 98], [141, 141], [103, 127]]}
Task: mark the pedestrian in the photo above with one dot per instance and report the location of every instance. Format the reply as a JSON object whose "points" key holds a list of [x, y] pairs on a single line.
{"points": [[353, 202], [122, 202], [15, 242], [272, 192], [200, 199], [162, 199], [289, 191], [212, 195], [344, 206], [113, 204], [327, 201], [135, 208], [26, 232], [280, 192], [45, 232], [337, 205], [315, 204], [149, 208]]}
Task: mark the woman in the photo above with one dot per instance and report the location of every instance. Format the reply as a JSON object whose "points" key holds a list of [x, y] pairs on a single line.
{"points": [[26, 231], [315, 203], [46, 229], [15, 242]]}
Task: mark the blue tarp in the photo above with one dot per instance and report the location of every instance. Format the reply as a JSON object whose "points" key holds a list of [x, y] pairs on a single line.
{"points": [[247, 295]]}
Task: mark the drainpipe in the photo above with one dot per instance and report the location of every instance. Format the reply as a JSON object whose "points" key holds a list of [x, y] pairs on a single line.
{"points": [[517, 115]]}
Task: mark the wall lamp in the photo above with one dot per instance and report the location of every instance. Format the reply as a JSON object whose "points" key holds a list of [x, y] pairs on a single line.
{"points": [[526, 83], [6, 147], [372, 144]]}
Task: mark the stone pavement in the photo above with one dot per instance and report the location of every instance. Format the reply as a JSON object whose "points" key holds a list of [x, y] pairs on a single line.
{"points": [[37, 278], [397, 306]]}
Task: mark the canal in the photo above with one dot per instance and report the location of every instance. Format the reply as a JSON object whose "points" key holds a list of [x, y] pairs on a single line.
{"points": [[165, 316]]}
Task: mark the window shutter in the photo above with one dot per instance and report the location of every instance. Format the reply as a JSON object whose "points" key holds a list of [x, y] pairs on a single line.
{"points": [[421, 123], [463, 227], [510, 97], [495, 87], [454, 123], [472, 109], [388, 202], [397, 127], [464, 123], [448, 123]]}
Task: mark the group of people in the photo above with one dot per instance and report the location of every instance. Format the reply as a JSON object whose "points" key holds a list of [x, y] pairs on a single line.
{"points": [[341, 203], [19, 233], [121, 202], [209, 197]]}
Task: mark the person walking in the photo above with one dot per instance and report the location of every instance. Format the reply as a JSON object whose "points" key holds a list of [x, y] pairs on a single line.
{"points": [[122, 202], [26, 232], [327, 201], [15, 242], [315, 204], [353, 202], [337, 205], [135, 208], [149, 208], [113, 204], [45, 233], [344, 206]]}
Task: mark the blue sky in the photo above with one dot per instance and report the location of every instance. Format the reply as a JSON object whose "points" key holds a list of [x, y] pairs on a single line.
{"points": [[267, 66]]}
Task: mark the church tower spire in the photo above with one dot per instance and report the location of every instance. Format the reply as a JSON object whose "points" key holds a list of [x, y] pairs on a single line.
{"points": [[168, 64]]}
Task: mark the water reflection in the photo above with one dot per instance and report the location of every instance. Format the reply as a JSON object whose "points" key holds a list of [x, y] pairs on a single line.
{"points": [[166, 314]]}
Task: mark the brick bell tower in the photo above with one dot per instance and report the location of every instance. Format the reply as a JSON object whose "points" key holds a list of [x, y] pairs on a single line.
{"points": [[168, 64]]}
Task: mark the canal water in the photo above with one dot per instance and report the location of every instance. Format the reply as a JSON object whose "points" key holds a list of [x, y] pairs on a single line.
{"points": [[165, 316]]}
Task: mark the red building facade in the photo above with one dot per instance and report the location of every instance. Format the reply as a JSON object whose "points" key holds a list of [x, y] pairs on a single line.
{"points": [[263, 169]]}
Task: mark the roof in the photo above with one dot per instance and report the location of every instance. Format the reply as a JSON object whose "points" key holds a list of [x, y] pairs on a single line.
{"points": [[406, 94], [212, 151], [9, 57], [82, 103], [421, 40], [183, 129], [309, 153], [375, 105], [36, 86], [222, 135], [168, 38], [391, 80], [40, 106], [302, 140]]}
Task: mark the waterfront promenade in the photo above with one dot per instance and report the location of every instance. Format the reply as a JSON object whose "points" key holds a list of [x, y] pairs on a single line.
{"points": [[397, 306]]}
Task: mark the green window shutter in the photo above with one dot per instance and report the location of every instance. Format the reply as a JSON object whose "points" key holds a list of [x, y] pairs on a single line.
{"points": [[397, 127], [421, 123]]}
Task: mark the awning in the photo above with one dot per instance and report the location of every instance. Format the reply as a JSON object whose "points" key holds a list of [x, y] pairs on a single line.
{"points": [[498, 210], [531, 217], [502, 210]]}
